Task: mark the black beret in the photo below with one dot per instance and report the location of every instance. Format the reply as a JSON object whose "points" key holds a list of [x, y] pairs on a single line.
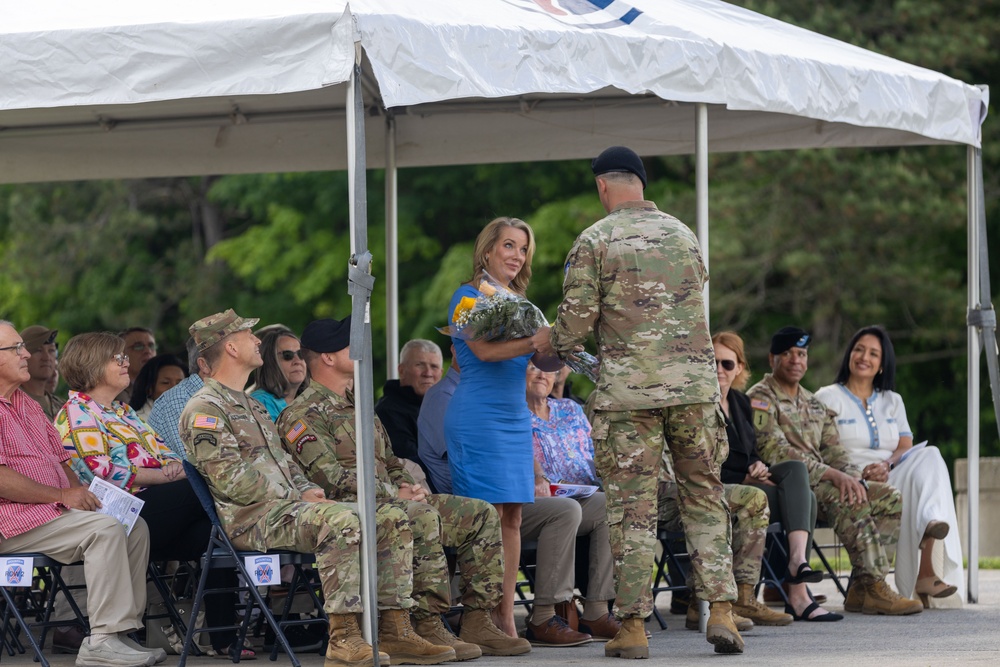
{"points": [[327, 335], [788, 337], [621, 159]]}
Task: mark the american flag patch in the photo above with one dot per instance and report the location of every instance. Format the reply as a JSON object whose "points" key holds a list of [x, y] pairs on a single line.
{"points": [[759, 404], [206, 421], [298, 428]]}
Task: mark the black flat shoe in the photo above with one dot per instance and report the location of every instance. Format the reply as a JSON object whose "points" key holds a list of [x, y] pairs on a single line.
{"points": [[828, 617], [810, 576]]}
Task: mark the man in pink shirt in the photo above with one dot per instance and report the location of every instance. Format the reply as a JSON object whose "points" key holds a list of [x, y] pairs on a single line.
{"points": [[45, 509]]}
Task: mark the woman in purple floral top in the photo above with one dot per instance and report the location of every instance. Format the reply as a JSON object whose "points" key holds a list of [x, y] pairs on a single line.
{"points": [[560, 433], [109, 440]]}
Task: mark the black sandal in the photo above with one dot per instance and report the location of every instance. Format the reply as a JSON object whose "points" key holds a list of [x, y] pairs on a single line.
{"points": [[828, 617], [810, 576]]}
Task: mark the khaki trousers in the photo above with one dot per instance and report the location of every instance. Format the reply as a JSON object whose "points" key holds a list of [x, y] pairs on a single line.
{"points": [[114, 564]]}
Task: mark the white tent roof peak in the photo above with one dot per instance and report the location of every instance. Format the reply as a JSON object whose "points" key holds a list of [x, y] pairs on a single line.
{"points": [[108, 89]]}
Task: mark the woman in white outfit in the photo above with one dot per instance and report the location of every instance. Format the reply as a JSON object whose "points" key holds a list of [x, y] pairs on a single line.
{"points": [[871, 421]]}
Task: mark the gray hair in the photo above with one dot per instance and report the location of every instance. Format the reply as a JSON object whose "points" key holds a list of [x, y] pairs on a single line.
{"points": [[8, 323], [192, 351], [419, 345]]}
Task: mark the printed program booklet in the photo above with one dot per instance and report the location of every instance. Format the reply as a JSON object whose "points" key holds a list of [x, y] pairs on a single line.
{"points": [[118, 503], [572, 490]]}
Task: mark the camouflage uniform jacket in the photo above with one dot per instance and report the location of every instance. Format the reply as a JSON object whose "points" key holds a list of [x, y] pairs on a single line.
{"points": [[317, 430], [635, 278], [801, 429], [239, 453]]}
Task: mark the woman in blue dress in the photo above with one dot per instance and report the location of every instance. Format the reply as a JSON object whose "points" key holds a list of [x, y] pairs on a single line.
{"points": [[487, 424]]}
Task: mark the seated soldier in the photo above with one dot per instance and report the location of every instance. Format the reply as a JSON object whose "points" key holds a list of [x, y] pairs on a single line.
{"points": [[792, 424], [318, 431], [45, 509], [42, 366], [263, 499], [419, 370], [551, 522]]}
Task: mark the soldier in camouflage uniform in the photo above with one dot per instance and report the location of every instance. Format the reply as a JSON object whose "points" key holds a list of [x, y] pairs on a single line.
{"points": [[317, 430], [791, 423], [263, 498], [635, 280]]}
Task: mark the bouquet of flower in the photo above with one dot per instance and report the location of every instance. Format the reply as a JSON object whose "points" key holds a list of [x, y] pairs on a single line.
{"points": [[499, 314], [496, 315]]}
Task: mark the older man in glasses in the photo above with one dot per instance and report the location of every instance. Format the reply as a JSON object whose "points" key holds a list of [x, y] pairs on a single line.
{"points": [[140, 346], [45, 509]]}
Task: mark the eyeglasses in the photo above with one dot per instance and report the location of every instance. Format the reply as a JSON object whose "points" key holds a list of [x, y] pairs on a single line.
{"points": [[727, 364], [120, 359], [18, 347], [142, 347], [288, 355]]}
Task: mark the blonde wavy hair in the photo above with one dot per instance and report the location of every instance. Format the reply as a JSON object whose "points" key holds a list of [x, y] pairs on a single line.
{"points": [[488, 239]]}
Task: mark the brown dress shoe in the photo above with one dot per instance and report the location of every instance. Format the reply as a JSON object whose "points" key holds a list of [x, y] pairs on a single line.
{"points": [[555, 632], [68, 639]]}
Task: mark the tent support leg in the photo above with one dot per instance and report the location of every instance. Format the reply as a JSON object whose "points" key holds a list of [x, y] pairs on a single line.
{"points": [[701, 185], [391, 252]]}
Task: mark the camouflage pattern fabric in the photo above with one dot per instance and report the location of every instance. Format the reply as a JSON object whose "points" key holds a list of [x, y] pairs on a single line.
{"points": [[635, 279], [257, 491], [628, 449], [750, 516], [318, 431], [804, 429]]}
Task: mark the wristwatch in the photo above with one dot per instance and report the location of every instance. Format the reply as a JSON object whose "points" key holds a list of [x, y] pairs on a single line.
{"points": [[891, 465]]}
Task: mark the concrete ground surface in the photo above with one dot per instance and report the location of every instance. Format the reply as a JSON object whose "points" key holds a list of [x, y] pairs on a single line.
{"points": [[966, 636]]}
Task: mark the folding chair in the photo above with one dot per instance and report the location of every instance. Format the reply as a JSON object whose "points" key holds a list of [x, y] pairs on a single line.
{"points": [[774, 545], [529, 557], [222, 554], [831, 572], [35, 602], [673, 552]]}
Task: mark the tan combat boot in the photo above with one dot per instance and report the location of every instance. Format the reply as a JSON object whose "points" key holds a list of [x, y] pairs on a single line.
{"points": [[405, 647], [478, 629], [880, 599], [433, 630], [747, 605], [722, 632], [855, 600], [691, 622], [347, 647], [630, 642]]}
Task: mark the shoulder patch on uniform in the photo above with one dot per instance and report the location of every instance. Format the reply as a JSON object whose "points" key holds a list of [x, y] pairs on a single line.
{"points": [[205, 421], [760, 418], [760, 404], [207, 438], [294, 433], [302, 442]]}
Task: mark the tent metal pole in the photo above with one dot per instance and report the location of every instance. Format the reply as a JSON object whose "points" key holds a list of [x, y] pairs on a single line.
{"points": [[360, 284], [976, 254], [391, 251], [701, 185]]}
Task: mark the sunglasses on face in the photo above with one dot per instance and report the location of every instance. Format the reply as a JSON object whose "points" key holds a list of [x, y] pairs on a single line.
{"points": [[727, 364], [288, 355]]}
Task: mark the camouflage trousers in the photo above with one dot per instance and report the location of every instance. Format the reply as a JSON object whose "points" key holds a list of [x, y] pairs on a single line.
{"points": [[331, 531], [472, 527], [869, 531], [628, 447], [394, 552], [750, 516]]}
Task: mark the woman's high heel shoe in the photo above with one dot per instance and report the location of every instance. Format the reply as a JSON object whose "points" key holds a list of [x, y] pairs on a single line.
{"points": [[935, 530], [932, 587]]}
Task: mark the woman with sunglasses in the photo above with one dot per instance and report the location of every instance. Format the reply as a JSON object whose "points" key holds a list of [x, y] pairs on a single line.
{"points": [[283, 374], [786, 484], [107, 439]]}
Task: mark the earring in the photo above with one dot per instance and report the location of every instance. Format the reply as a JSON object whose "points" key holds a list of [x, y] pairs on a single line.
{"points": [[880, 371]]}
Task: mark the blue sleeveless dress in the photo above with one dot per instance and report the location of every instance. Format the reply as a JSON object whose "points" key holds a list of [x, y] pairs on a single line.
{"points": [[488, 426]]}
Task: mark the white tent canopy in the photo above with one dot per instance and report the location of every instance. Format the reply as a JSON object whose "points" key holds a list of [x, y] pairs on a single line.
{"points": [[107, 89]]}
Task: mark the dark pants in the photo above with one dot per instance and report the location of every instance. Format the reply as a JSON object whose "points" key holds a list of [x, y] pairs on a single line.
{"points": [[179, 530], [793, 503]]}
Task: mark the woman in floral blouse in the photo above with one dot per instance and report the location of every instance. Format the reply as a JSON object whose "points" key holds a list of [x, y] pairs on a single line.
{"points": [[109, 440]]}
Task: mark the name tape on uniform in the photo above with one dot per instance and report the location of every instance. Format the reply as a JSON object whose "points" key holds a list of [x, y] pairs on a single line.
{"points": [[264, 570], [16, 571]]}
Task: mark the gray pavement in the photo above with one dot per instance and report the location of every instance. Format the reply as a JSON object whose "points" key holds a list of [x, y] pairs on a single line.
{"points": [[966, 636]]}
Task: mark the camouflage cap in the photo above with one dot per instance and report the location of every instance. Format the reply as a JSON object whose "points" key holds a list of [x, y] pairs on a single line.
{"points": [[36, 335], [210, 330]]}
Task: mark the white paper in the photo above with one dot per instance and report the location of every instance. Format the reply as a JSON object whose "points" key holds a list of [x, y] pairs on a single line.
{"points": [[16, 571], [117, 502], [264, 570], [909, 451], [573, 490]]}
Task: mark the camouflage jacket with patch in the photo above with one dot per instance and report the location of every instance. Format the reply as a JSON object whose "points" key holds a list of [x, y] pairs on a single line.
{"points": [[238, 452], [317, 430], [802, 429], [635, 279]]}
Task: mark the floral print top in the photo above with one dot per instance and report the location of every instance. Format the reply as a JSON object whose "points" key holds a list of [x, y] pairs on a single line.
{"points": [[562, 444], [109, 442]]}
